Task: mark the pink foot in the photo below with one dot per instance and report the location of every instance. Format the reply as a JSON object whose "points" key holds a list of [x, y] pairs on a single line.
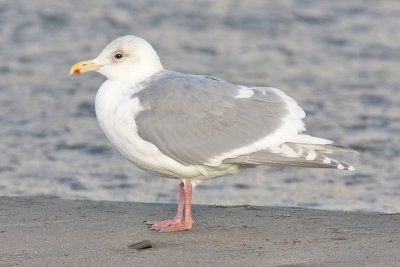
{"points": [[179, 214], [177, 224], [163, 223], [173, 228]]}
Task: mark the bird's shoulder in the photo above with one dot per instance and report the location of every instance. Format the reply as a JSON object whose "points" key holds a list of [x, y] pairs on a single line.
{"points": [[169, 88]]}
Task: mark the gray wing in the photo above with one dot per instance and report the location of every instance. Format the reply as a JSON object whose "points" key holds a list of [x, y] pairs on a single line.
{"points": [[318, 159], [193, 118]]}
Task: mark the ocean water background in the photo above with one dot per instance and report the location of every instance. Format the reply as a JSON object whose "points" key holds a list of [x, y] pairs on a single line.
{"points": [[339, 59]]}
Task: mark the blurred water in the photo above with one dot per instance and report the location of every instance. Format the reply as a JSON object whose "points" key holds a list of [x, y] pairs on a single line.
{"points": [[338, 59]]}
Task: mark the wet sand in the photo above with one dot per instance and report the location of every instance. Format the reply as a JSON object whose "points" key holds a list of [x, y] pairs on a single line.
{"points": [[53, 232]]}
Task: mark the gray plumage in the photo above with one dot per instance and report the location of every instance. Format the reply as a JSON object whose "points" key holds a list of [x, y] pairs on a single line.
{"points": [[267, 157], [192, 118]]}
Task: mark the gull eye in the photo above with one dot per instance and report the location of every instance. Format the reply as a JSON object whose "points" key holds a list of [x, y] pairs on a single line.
{"points": [[118, 56]]}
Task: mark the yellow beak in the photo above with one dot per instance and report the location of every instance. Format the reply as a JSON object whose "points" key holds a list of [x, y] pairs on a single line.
{"points": [[84, 66]]}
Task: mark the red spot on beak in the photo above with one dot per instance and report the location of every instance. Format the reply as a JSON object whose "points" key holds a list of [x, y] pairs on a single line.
{"points": [[77, 72]]}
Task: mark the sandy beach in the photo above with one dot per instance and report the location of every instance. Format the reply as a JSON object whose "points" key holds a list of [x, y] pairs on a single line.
{"points": [[54, 232]]}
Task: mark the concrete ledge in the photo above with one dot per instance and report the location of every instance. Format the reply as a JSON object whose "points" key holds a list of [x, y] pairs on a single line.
{"points": [[55, 232]]}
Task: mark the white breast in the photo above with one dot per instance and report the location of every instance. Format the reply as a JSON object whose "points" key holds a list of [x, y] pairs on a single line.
{"points": [[116, 111]]}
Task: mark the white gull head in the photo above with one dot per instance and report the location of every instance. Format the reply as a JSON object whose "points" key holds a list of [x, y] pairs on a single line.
{"points": [[126, 58]]}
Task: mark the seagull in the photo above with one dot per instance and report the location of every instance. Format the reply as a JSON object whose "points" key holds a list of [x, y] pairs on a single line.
{"points": [[196, 127]]}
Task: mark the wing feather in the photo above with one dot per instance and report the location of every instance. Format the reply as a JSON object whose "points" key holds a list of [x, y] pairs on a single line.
{"points": [[198, 120]]}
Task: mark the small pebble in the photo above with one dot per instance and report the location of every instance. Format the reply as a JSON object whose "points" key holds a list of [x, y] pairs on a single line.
{"points": [[141, 245]]}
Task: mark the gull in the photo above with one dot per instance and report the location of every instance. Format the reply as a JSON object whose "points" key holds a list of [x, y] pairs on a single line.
{"points": [[196, 127]]}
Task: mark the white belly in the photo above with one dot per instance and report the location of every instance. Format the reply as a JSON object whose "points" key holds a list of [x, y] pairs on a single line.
{"points": [[116, 111]]}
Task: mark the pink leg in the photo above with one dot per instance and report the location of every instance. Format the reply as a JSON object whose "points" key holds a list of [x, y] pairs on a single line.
{"points": [[180, 226], [179, 213]]}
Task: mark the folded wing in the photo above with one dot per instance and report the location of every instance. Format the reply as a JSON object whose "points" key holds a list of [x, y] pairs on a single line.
{"points": [[203, 120]]}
